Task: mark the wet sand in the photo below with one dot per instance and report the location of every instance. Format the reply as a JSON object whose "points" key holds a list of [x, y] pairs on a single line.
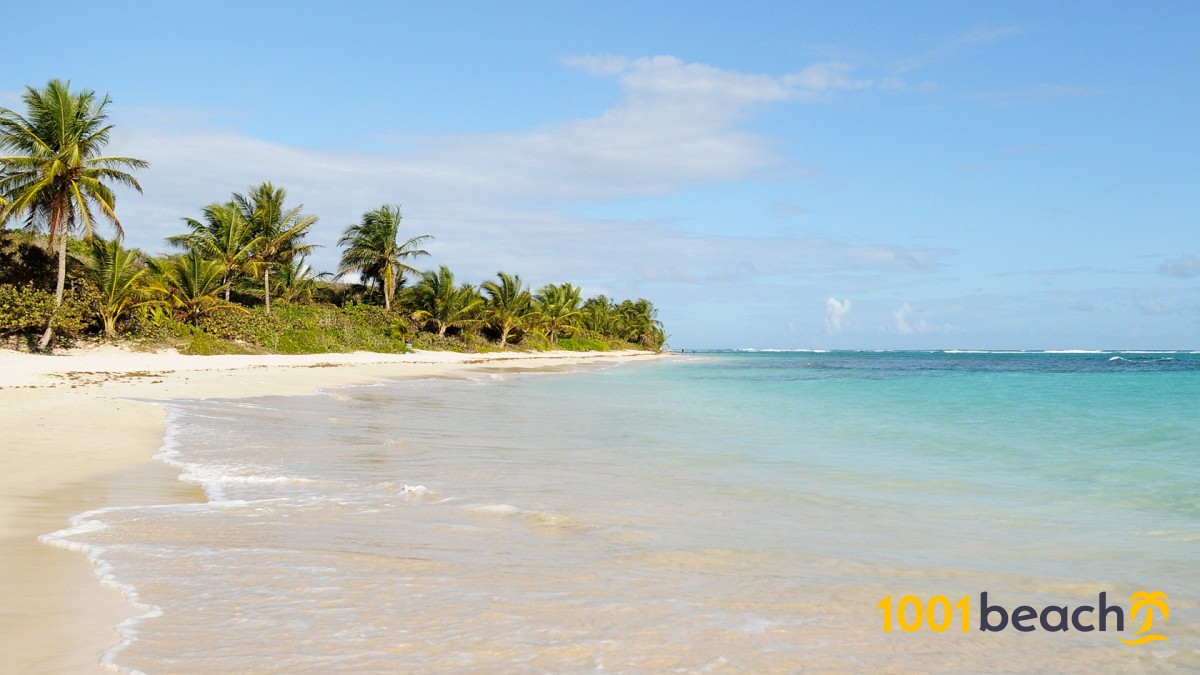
{"points": [[74, 439]]}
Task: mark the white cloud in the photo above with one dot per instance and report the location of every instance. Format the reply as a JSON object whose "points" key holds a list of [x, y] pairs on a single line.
{"points": [[835, 312], [1185, 266], [508, 201], [900, 319], [675, 126], [478, 231], [669, 78], [903, 324]]}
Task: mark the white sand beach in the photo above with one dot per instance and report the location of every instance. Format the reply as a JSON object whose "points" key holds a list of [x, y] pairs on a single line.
{"points": [[76, 439]]}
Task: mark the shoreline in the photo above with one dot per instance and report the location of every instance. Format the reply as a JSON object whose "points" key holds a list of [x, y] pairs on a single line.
{"points": [[82, 430]]}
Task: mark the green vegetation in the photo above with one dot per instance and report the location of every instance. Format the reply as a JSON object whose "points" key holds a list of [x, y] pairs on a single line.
{"points": [[56, 178], [239, 281], [120, 280], [509, 305], [374, 252]]}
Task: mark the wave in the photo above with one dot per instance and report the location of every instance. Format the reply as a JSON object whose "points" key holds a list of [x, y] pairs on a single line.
{"points": [[987, 351], [87, 522], [1075, 351], [548, 520], [756, 350]]}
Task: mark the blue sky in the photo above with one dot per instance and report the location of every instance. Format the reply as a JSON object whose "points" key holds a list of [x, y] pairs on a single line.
{"points": [[770, 174]]}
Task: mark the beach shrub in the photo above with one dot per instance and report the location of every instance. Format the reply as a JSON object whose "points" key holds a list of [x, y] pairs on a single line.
{"points": [[26, 309], [24, 259], [294, 328], [583, 344], [230, 323], [203, 344]]}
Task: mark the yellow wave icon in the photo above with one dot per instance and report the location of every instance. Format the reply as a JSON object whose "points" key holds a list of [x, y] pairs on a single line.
{"points": [[1145, 603]]}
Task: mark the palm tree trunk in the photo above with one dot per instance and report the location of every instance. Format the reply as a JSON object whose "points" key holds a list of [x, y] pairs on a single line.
{"points": [[504, 337], [267, 288], [59, 289], [385, 285]]}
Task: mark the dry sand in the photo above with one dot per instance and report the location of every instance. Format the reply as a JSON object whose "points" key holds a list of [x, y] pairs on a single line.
{"points": [[73, 438]]}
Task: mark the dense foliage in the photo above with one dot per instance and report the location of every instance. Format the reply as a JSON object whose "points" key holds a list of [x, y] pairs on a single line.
{"points": [[239, 281], [55, 177]]}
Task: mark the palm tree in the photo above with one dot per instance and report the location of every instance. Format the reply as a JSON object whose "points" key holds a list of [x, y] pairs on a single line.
{"points": [[373, 250], [557, 309], [445, 305], [56, 176], [189, 285], [280, 232], [296, 280], [638, 323], [509, 304], [599, 315], [224, 236], [121, 277]]}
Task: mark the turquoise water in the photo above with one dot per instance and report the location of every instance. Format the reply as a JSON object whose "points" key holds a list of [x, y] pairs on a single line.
{"points": [[727, 512]]}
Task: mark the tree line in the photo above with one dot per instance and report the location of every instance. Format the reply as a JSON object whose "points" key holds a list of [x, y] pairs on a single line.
{"points": [[241, 257]]}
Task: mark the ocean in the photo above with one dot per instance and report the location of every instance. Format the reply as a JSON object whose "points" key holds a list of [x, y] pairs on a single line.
{"points": [[739, 512]]}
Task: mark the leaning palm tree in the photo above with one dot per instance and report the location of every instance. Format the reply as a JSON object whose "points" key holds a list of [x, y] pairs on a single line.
{"points": [[280, 232], [190, 285], [558, 310], [56, 176], [509, 304], [121, 277], [224, 236], [440, 302], [374, 251]]}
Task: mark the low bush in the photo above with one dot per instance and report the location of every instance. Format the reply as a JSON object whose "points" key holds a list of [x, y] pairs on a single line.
{"points": [[583, 344], [25, 310]]}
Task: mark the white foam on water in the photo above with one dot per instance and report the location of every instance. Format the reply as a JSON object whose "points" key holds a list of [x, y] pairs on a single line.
{"points": [[89, 522], [495, 509], [668, 559], [1074, 351]]}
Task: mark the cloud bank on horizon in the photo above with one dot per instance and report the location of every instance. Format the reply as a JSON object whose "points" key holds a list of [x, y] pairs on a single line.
{"points": [[947, 197]]}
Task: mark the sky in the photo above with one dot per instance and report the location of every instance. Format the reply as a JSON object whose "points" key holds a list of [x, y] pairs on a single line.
{"points": [[850, 175]]}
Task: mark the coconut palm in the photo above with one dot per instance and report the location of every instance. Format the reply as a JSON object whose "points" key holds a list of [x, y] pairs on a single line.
{"points": [[440, 302], [295, 280], [557, 310], [280, 232], [224, 236], [189, 285], [121, 277], [55, 175], [374, 251], [638, 323], [509, 304], [599, 315]]}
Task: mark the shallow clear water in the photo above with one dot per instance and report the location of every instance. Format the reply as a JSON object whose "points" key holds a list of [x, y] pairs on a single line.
{"points": [[732, 512]]}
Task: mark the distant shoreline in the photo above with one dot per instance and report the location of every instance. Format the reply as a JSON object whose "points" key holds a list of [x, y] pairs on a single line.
{"points": [[81, 430]]}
